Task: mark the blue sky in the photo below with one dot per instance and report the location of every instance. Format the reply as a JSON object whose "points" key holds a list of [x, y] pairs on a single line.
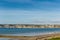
{"points": [[29, 11]]}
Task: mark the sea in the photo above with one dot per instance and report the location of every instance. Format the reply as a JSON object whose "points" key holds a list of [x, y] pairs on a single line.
{"points": [[28, 31]]}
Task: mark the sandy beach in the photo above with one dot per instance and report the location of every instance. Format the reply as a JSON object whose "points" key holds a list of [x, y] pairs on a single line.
{"points": [[39, 37]]}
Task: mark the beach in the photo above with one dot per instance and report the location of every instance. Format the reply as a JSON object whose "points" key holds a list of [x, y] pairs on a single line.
{"points": [[38, 37], [29, 34]]}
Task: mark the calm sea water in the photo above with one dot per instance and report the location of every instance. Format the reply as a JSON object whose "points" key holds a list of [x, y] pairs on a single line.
{"points": [[4, 38], [27, 31]]}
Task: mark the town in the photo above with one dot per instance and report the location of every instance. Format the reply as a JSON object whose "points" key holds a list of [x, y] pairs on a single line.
{"points": [[29, 26]]}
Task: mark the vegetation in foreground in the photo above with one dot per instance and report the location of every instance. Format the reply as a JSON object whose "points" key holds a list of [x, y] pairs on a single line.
{"points": [[55, 39]]}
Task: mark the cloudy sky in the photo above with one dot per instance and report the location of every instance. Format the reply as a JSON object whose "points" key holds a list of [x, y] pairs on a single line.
{"points": [[29, 11]]}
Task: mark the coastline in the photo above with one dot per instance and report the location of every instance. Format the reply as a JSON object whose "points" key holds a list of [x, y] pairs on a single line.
{"points": [[46, 36], [31, 34]]}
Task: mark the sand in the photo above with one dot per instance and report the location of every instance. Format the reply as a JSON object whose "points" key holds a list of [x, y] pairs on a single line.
{"points": [[38, 37]]}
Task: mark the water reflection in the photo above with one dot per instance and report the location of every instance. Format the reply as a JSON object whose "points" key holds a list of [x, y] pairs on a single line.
{"points": [[8, 39], [4, 38]]}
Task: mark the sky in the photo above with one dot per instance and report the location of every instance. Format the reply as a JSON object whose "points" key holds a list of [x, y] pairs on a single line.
{"points": [[29, 11]]}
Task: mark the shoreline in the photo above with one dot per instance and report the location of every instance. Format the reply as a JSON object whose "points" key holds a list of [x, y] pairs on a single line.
{"points": [[47, 36], [30, 34]]}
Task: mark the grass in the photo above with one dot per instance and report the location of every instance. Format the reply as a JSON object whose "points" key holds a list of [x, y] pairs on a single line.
{"points": [[55, 39]]}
